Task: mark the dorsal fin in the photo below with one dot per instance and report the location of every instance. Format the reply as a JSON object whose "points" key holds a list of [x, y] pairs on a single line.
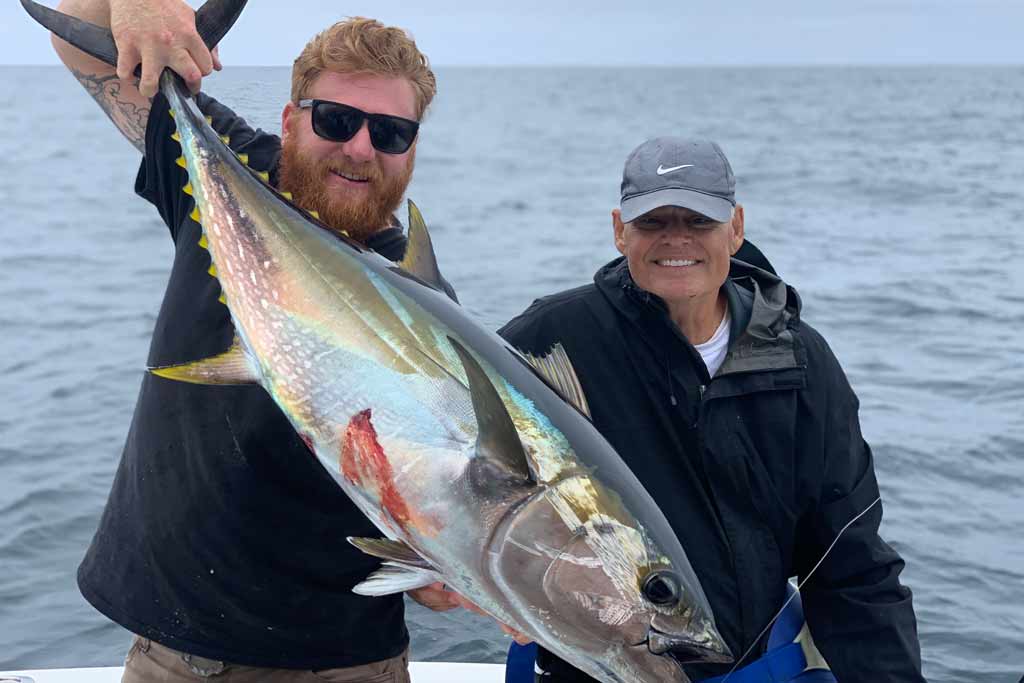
{"points": [[557, 369], [419, 256], [230, 367], [498, 448]]}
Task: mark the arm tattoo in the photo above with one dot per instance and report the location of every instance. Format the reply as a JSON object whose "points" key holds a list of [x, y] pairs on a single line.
{"points": [[129, 117]]}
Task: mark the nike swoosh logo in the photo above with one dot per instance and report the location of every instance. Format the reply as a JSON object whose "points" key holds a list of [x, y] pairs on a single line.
{"points": [[662, 170]]}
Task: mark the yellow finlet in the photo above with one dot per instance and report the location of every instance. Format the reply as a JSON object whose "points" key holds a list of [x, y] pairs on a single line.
{"points": [[209, 120], [244, 158], [345, 233], [213, 270], [195, 215], [225, 139], [169, 111], [222, 299], [263, 175], [203, 242], [180, 161], [287, 195], [176, 136], [315, 214], [187, 189]]}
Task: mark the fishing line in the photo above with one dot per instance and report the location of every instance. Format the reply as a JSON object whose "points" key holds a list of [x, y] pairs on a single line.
{"points": [[798, 587]]}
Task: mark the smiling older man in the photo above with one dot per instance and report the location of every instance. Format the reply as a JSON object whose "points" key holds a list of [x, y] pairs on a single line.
{"points": [[738, 419]]}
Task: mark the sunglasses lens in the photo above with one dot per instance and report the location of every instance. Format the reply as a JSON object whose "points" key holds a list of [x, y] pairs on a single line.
{"points": [[391, 134], [336, 121]]}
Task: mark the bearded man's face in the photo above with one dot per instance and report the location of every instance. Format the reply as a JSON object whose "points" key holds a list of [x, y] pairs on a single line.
{"points": [[352, 186]]}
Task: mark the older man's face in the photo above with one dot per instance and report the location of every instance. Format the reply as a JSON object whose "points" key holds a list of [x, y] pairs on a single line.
{"points": [[678, 254]]}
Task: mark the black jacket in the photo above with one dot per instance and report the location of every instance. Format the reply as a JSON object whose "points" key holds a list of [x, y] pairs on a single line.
{"points": [[758, 469]]}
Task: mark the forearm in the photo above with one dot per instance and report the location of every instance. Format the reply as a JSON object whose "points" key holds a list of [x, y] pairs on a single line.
{"points": [[119, 100], [94, 11], [156, 34]]}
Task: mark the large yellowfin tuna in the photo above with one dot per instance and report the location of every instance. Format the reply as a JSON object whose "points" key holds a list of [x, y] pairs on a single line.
{"points": [[477, 463]]}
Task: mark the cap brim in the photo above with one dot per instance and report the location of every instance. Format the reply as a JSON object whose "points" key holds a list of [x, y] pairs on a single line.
{"points": [[715, 208]]}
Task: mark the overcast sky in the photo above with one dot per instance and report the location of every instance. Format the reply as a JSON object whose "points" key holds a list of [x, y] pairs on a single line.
{"points": [[628, 32]]}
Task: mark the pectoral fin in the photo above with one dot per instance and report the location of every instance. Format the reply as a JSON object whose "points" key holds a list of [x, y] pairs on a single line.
{"points": [[231, 367], [387, 549], [403, 568], [497, 444], [394, 577]]}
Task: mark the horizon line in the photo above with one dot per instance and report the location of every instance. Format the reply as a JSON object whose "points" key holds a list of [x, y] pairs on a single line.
{"points": [[570, 65]]}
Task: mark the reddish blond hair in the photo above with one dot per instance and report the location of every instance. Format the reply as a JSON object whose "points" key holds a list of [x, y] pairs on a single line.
{"points": [[365, 46]]}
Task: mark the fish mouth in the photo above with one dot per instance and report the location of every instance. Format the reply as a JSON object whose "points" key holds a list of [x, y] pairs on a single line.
{"points": [[686, 649]]}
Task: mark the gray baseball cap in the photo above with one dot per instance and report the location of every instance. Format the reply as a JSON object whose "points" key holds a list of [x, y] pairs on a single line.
{"points": [[669, 171]]}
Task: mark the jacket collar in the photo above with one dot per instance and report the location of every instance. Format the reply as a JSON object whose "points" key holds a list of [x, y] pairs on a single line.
{"points": [[764, 309]]}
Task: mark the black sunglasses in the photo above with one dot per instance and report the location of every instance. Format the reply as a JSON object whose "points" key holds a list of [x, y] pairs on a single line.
{"points": [[340, 122]]}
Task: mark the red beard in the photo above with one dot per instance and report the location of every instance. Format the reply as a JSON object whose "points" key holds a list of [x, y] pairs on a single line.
{"points": [[360, 218]]}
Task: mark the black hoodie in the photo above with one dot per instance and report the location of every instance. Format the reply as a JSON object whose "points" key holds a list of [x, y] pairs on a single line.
{"points": [[757, 469]]}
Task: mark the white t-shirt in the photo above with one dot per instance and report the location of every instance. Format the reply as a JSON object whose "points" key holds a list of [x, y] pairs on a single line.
{"points": [[713, 350]]}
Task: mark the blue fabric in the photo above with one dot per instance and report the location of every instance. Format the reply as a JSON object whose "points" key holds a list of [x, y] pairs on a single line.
{"points": [[519, 663], [784, 662], [780, 665], [789, 623]]}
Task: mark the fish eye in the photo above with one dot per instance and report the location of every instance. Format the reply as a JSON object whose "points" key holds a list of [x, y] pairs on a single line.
{"points": [[663, 588]]}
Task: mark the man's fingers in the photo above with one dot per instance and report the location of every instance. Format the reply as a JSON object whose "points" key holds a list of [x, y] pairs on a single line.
{"points": [[183, 65], [127, 59], [434, 597], [215, 53], [200, 54], [151, 69], [520, 638], [467, 604]]}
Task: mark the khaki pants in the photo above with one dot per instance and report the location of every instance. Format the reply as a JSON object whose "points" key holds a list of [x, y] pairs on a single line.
{"points": [[150, 662]]}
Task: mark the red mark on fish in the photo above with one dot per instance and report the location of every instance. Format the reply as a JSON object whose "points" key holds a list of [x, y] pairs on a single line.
{"points": [[364, 464]]}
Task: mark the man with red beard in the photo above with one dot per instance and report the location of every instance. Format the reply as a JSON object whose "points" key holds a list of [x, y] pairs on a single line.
{"points": [[222, 545]]}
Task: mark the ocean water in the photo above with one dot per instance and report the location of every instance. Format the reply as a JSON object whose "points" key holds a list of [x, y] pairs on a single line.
{"points": [[893, 199]]}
